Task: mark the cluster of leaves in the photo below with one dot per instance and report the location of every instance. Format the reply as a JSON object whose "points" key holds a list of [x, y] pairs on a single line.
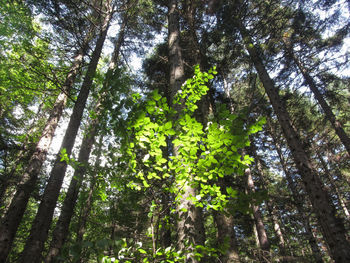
{"points": [[203, 154], [130, 252]]}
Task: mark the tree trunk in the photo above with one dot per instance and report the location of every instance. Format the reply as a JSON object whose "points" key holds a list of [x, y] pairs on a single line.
{"points": [[61, 230], [299, 202], [344, 138], [189, 225], [86, 208], [263, 240], [334, 187], [269, 204], [40, 227], [165, 231], [226, 237], [332, 227], [27, 184], [175, 54], [62, 226], [206, 104]]}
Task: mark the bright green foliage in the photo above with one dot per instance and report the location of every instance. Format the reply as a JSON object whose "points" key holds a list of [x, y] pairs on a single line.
{"points": [[203, 153]]}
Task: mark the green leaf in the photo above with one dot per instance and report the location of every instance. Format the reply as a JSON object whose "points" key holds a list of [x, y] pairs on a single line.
{"points": [[168, 125], [142, 251]]}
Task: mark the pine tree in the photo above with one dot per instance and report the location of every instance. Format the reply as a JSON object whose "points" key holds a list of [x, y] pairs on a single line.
{"points": [[40, 227]]}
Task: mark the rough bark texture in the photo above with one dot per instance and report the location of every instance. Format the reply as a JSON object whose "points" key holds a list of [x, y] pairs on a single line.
{"points": [[83, 219], [61, 230], [335, 189], [26, 186], [270, 207], [263, 240], [317, 255], [175, 55], [226, 237], [40, 227], [190, 225], [332, 227]]}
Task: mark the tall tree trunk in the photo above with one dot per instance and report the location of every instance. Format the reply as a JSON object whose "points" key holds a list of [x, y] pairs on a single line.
{"points": [[62, 226], [298, 200], [334, 187], [86, 208], [206, 105], [175, 54], [344, 138], [269, 204], [189, 226], [41, 224], [27, 184], [332, 227], [263, 240], [165, 231], [61, 230], [83, 219], [226, 237]]}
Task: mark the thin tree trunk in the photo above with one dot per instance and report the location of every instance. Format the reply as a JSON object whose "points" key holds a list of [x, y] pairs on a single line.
{"points": [[165, 233], [332, 227], [175, 54], [334, 187], [27, 184], [61, 230], [62, 226], [263, 240], [299, 202], [83, 219], [344, 138], [270, 207], [206, 104], [86, 208], [40, 227], [226, 237]]}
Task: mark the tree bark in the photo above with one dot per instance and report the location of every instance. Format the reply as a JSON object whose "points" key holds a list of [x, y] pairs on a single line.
{"points": [[27, 184], [226, 237], [262, 235], [40, 227], [83, 219], [334, 187], [270, 207], [62, 226], [61, 230], [86, 208], [317, 255], [189, 226], [332, 227]]}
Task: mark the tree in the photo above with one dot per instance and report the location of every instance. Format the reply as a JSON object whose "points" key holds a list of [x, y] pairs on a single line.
{"points": [[344, 138], [168, 179], [35, 243], [28, 180], [319, 198], [61, 229]]}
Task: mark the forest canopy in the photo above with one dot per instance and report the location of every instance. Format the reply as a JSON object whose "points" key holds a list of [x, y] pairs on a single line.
{"points": [[229, 144]]}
